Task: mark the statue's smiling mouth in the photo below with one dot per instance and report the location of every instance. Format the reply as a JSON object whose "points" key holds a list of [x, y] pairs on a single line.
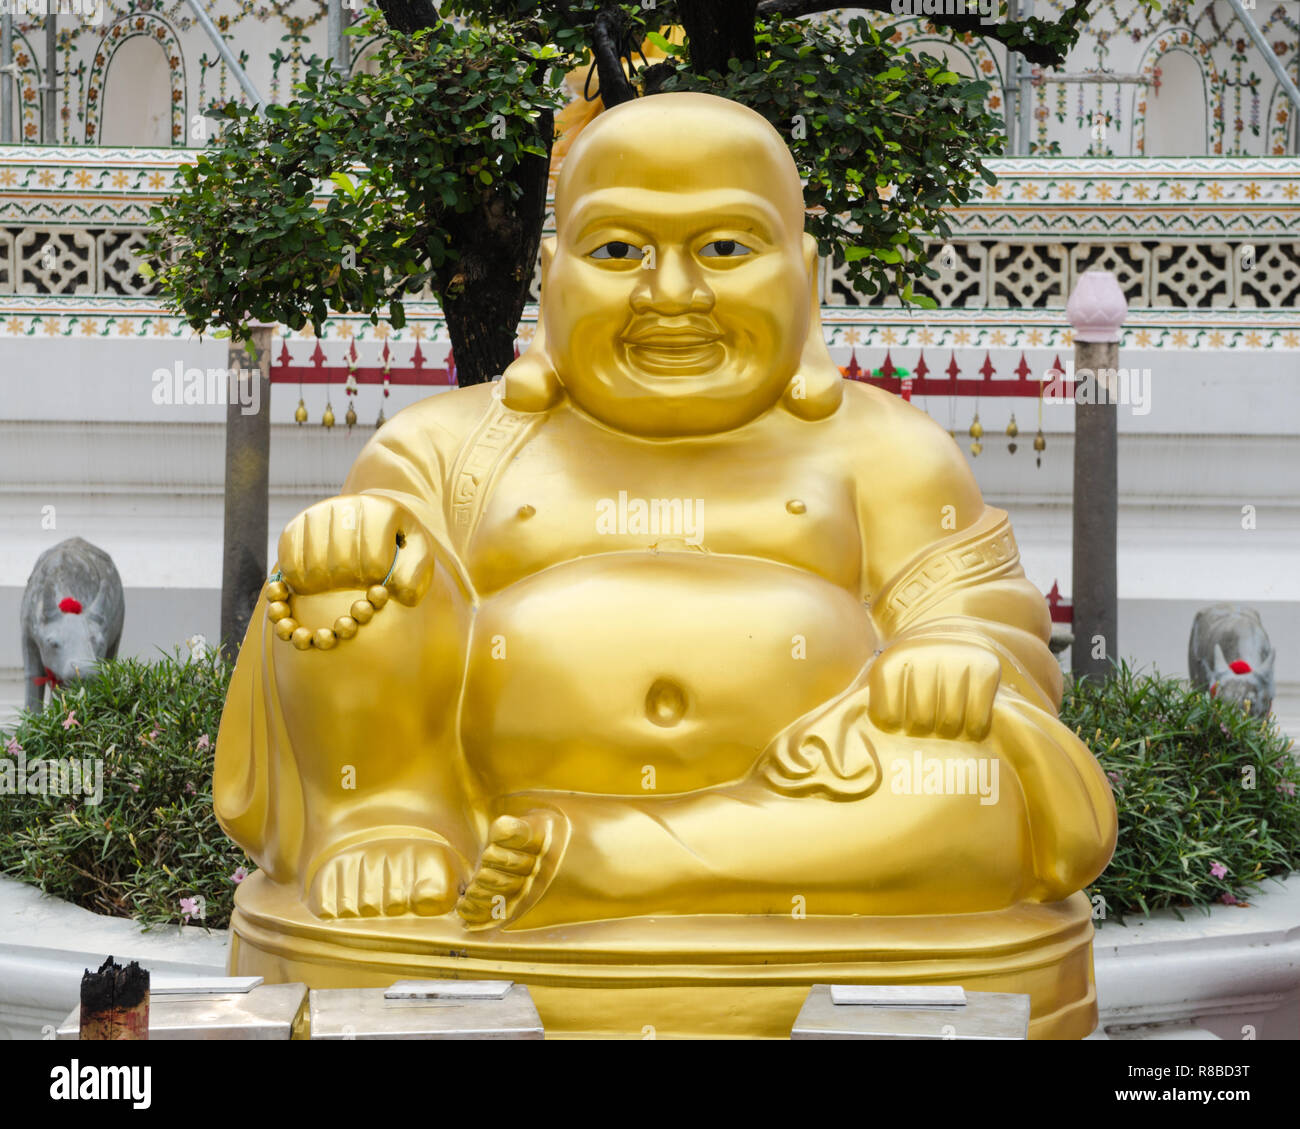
{"points": [[676, 347]]}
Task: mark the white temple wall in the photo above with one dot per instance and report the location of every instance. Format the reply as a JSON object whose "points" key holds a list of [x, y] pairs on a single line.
{"points": [[79, 431]]}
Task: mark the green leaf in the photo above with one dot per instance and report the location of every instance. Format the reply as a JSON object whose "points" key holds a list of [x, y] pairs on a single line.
{"points": [[664, 45]]}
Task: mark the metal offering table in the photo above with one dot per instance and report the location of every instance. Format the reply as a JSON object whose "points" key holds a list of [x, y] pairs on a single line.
{"points": [[235, 1007], [910, 1012], [426, 1009]]}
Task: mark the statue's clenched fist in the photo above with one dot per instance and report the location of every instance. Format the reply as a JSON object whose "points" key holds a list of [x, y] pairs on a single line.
{"points": [[350, 542], [934, 687]]}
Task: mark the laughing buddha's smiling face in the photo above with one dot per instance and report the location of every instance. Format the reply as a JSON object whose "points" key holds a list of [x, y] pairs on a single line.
{"points": [[676, 295]]}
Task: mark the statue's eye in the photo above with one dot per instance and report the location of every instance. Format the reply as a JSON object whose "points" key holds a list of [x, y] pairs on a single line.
{"points": [[724, 249], [616, 249]]}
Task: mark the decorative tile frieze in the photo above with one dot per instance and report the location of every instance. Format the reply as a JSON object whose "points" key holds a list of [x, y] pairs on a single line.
{"points": [[1190, 198], [845, 326]]}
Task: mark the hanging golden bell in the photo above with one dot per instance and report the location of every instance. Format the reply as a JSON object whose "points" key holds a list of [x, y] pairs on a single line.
{"points": [[976, 428], [1040, 445], [381, 420], [300, 412], [976, 448], [1012, 429], [351, 418], [327, 420]]}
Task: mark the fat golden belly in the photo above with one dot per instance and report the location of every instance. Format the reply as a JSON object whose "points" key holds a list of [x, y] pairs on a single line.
{"points": [[631, 673]]}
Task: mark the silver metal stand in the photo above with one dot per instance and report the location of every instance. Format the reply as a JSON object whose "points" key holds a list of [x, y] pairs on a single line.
{"points": [[427, 1009], [910, 1012]]}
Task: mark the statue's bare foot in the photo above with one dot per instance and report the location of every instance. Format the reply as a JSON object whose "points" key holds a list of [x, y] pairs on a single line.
{"points": [[388, 876], [506, 871]]}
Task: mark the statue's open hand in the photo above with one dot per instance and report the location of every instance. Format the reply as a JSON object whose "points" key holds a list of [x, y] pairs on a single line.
{"points": [[385, 876], [350, 541], [934, 686]]}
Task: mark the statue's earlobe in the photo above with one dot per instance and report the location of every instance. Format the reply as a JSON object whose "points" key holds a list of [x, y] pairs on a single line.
{"points": [[816, 389], [531, 383]]}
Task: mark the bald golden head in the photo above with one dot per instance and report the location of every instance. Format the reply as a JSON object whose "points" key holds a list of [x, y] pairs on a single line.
{"points": [[679, 291], [683, 144]]}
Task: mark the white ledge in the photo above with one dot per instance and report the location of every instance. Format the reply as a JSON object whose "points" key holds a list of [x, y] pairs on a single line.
{"points": [[46, 944], [1234, 971]]}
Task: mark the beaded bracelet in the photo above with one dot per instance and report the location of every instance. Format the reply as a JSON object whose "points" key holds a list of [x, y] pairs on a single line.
{"points": [[323, 638]]}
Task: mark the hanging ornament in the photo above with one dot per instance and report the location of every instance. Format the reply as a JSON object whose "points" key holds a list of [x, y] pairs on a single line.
{"points": [[382, 420], [976, 434], [350, 390], [976, 448], [1040, 445], [327, 420], [1012, 432], [300, 412]]}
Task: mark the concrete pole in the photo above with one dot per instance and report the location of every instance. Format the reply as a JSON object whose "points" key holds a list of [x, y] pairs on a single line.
{"points": [[338, 42], [1025, 90], [248, 457], [227, 55], [7, 79], [1011, 90], [49, 113], [1096, 310]]}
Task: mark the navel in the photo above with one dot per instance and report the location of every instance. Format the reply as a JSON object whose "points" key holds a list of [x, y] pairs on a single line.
{"points": [[665, 703]]}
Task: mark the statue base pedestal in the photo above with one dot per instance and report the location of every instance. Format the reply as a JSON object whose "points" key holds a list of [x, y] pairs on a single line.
{"points": [[684, 977]]}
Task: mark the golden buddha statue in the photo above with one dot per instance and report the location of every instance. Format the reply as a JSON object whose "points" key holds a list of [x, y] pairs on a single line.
{"points": [[705, 675]]}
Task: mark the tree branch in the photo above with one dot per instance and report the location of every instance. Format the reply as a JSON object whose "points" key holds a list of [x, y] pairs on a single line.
{"points": [[409, 16], [1020, 36], [717, 31], [607, 47]]}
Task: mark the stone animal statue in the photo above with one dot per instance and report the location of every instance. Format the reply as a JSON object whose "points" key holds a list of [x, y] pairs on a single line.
{"points": [[71, 616], [1230, 656]]}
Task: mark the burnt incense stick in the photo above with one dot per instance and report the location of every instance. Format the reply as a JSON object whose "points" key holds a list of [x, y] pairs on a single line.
{"points": [[115, 1002]]}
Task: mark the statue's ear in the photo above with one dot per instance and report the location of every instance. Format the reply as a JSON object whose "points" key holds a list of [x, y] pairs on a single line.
{"points": [[531, 384], [1220, 663], [816, 389]]}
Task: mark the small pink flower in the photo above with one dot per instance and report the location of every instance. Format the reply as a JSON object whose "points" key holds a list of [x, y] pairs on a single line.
{"points": [[189, 908], [12, 747], [189, 788], [134, 787], [70, 720], [1218, 870], [241, 872], [1228, 899], [203, 742], [1287, 788]]}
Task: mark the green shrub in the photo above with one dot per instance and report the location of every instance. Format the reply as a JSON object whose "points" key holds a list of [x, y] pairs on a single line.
{"points": [[153, 839], [1194, 827], [1206, 794]]}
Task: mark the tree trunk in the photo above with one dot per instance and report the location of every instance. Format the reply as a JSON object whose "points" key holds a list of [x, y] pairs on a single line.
{"points": [[483, 292], [717, 31]]}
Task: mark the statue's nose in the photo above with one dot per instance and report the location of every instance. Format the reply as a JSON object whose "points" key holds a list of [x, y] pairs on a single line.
{"points": [[672, 284]]}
